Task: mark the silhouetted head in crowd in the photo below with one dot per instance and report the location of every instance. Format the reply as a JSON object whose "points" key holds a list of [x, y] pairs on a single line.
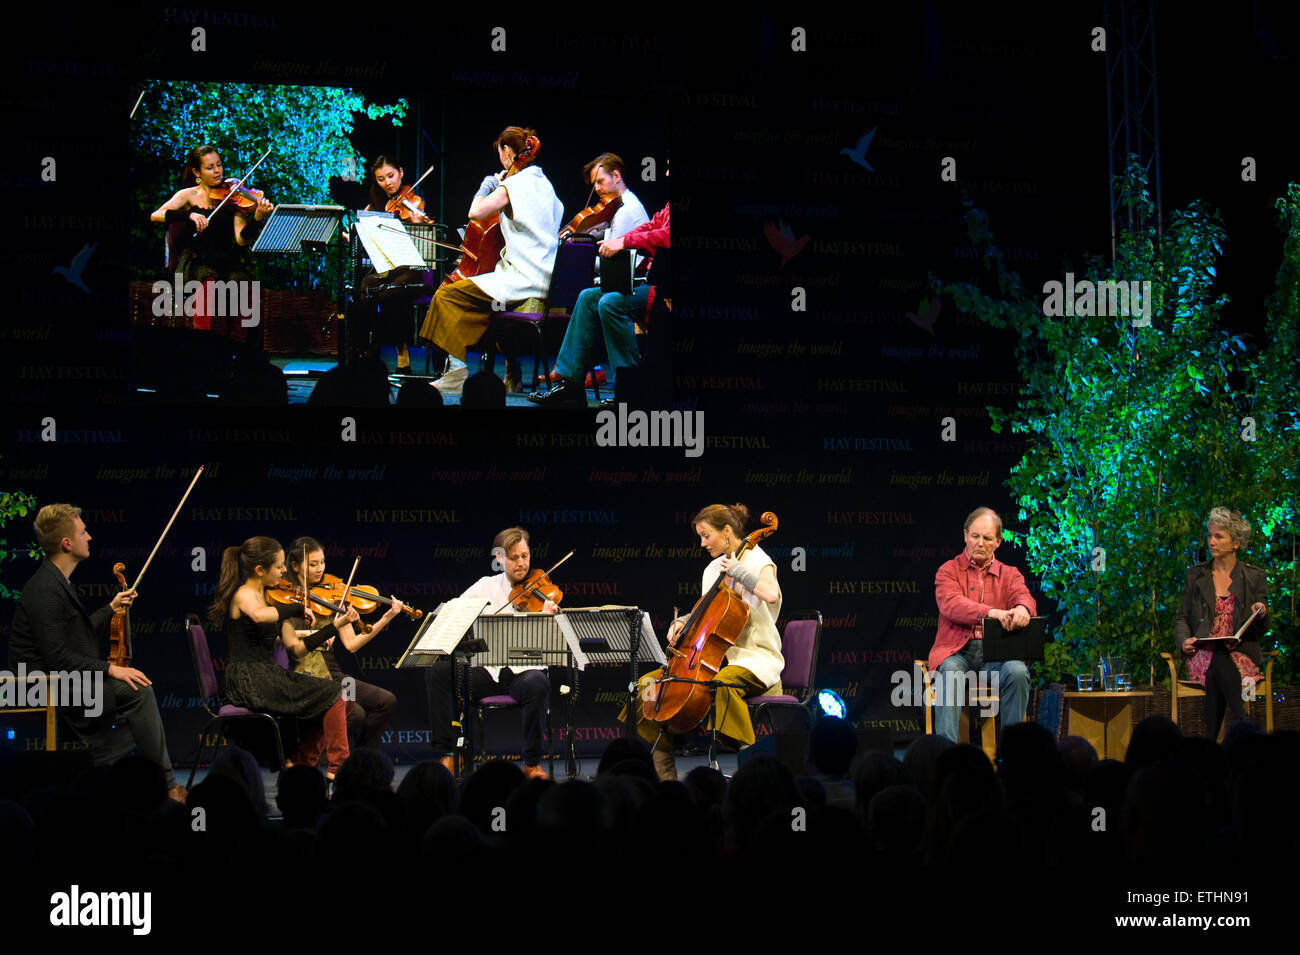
{"points": [[1030, 760], [429, 790], [454, 842], [417, 393], [17, 829], [919, 760], [1164, 809], [240, 765], [760, 788], [1079, 758], [1153, 739], [366, 772], [832, 746], [483, 390], [136, 784], [300, 795], [875, 771], [895, 820], [487, 789], [964, 785], [622, 749], [228, 813], [707, 786]]}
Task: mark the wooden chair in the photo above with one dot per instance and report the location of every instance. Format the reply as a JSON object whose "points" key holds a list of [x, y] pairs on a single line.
{"points": [[1186, 689], [980, 698], [49, 709]]}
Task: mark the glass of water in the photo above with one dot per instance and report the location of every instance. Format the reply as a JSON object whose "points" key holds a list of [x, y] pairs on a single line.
{"points": [[1085, 682], [1122, 682]]}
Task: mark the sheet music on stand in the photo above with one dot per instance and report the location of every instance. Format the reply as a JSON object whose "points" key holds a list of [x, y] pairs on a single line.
{"points": [[601, 635], [442, 631], [388, 243], [294, 228]]}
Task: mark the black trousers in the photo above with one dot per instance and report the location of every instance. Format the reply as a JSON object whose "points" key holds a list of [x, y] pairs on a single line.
{"points": [[1222, 686], [369, 713], [137, 711], [532, 688]]}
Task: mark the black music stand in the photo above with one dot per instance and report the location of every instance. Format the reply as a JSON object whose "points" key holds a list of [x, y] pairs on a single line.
{"points": [[605, 635]]}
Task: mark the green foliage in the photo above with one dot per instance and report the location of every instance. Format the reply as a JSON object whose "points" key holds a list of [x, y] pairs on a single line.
{"points": [[14, 504], [1134, 434], [305, 127]]}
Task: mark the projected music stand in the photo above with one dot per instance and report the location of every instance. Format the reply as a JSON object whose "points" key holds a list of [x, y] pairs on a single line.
{"points": [[293, 228]]}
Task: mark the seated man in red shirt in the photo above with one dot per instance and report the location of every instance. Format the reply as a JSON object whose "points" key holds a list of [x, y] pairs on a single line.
{"points": [[968, 588], [611, 316]]}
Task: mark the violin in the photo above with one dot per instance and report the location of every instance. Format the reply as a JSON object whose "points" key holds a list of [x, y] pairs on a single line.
{"points": [[365, 598], [119, 640], [592, 216], [241, 197], [679, 699], [290, 594], [531, 593], [481, 248], [406, 205]]}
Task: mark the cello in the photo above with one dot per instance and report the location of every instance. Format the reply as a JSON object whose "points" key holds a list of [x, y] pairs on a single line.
{"points": [[483, 242], [680, 699]]}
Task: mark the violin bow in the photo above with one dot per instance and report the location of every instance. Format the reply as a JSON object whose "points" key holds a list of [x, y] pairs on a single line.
{"points": [[136, 585], [306, 600], [414, 184], [235, 188], [347, 589]]}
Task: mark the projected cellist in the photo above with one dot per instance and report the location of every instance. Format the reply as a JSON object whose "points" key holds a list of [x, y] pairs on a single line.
{"points": [[528, 215], [754, 661]]}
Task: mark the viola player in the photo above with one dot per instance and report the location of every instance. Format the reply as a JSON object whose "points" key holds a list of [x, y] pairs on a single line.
{"points": [[53, 632], [529, 685]]}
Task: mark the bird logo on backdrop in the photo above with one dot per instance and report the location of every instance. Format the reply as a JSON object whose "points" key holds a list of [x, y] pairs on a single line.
{"points": [[859, 152], [926, 314], [73, 271], [782, 239]]}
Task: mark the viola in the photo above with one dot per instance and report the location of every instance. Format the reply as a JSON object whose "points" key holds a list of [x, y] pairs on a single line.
{"points": [[592, 216], [531, 593], [483, 242], [679, 699], [119, 639]]}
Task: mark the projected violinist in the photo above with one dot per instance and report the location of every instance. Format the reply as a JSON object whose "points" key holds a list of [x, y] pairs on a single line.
{"points": [[740, 605], [204, 241]]}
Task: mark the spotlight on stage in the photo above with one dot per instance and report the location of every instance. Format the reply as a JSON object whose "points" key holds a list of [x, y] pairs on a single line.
{"points": [[831, 704]]}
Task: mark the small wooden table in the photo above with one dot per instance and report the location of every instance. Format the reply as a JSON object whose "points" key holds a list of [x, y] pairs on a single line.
{"points": [[1104, 718]]}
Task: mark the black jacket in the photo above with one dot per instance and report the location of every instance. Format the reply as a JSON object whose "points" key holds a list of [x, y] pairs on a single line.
{"points": [[52, 631], [1196, 611]]}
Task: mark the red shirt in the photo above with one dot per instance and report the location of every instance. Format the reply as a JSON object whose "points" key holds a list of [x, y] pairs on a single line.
{"points": [[965, 595], [647, 237]]}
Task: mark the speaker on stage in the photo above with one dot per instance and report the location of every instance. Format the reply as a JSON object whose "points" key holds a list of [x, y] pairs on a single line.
{"points": [[791, 747]]}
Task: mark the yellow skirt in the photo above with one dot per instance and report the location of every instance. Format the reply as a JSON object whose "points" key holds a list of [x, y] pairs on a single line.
{"points": [[733, 714]]}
